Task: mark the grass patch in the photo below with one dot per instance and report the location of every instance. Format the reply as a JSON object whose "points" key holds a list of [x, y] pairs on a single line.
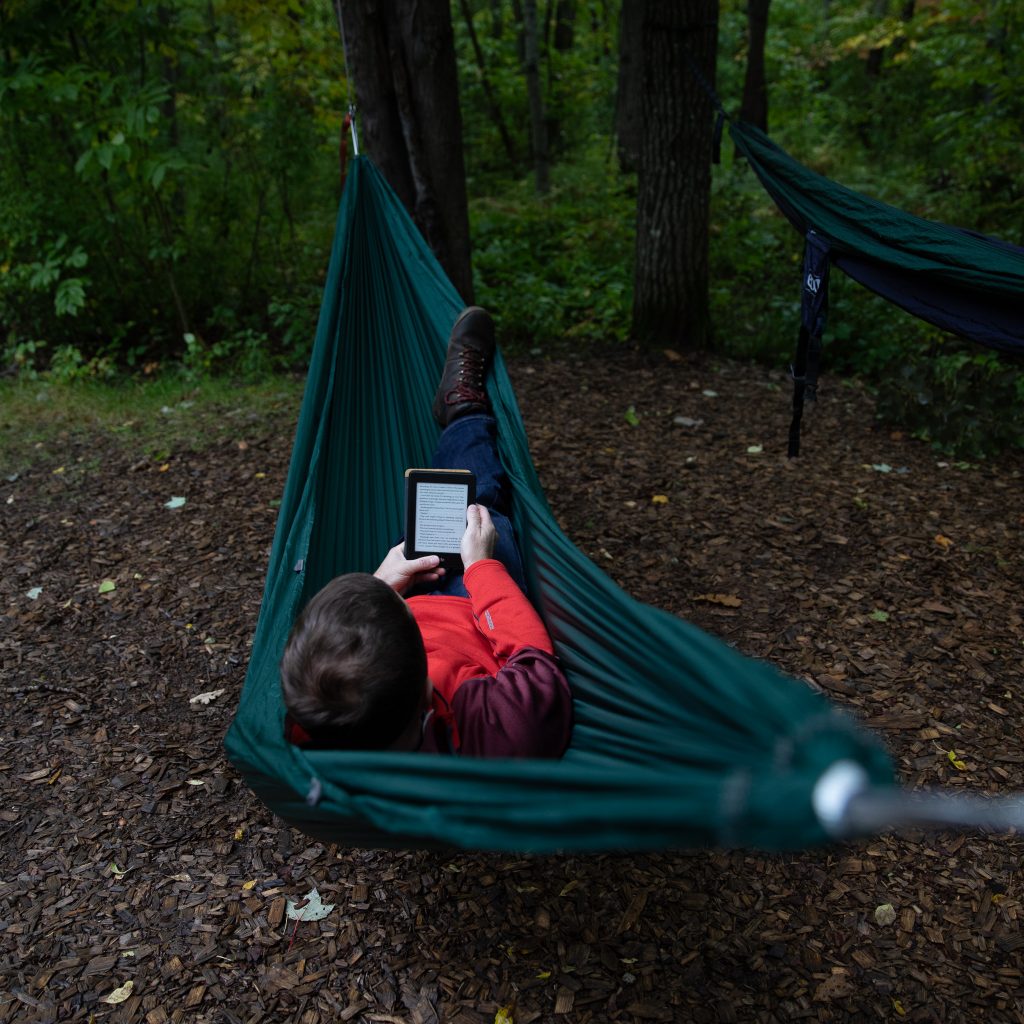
{"points": [[150, 417]]}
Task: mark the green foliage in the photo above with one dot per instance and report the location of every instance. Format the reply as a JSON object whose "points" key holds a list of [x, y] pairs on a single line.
{"points": [[557, 268], [162, 162], [965, 402]]}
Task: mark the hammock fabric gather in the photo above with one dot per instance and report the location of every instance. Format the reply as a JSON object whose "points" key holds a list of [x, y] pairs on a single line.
{"points": [[679, 741]]}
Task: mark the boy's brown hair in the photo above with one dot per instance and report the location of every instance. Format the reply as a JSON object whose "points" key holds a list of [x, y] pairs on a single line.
{"points": [[354, 669]]}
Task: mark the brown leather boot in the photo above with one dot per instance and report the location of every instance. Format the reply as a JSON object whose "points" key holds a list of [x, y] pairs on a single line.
{"points": [[470, 352]]}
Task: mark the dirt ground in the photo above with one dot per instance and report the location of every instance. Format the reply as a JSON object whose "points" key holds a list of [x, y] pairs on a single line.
{"points": [[876, 570]]}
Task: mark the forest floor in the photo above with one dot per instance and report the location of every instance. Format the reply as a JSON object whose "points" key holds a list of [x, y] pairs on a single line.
{"points": [[876, 570]]}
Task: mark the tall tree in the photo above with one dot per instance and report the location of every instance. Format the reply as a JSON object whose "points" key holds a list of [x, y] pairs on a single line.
{"points": [[401, 56], [754, 108], [628, 92], [538, 120], [670, 295]]}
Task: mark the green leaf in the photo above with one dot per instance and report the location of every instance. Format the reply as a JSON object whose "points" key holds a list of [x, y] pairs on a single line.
{"points": [[107, 586], [631, 417], [879, 616]]}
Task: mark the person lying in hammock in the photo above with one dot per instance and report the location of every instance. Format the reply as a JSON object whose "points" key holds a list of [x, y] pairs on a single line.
{"points": [[463, 664]]}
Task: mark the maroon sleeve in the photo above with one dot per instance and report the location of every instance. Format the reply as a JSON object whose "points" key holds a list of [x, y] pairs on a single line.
{"points": [[523, 711]]}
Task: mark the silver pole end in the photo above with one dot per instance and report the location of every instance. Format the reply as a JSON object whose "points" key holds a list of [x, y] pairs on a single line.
{"points": [[832, 794]]}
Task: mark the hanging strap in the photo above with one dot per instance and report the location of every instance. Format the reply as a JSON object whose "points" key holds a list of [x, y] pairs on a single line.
{"points": [[813, 316]]}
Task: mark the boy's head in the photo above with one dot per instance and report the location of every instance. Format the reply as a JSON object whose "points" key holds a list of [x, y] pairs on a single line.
{"points": [[354, 671]]}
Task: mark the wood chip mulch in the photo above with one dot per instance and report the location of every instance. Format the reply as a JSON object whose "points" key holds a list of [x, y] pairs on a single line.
{"points": [[876, 570]]}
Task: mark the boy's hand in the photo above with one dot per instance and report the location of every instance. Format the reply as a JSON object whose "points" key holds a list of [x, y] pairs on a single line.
{"points": [[400, 573], [478, 540]]}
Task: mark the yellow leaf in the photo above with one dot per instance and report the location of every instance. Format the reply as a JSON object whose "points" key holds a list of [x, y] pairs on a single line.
{"points": [[259, 476], [119, 995], [544, 975], [504, 1016], [569, 888], [729, 600], [956, 762], [116, 871], [58, 470], [898, 1007], [239, 833], [659, 499], [166, 466], [944, 542], [246, 886]]}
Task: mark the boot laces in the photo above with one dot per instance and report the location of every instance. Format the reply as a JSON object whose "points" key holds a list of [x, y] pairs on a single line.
{"points": [[470, 384]]}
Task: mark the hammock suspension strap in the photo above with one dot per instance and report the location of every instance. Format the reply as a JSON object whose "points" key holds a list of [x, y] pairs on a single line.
{"points": [[813, 317]]}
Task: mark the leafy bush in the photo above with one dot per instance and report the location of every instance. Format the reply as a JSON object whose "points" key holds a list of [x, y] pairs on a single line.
{"points": [[558, 268], [966, 402]]}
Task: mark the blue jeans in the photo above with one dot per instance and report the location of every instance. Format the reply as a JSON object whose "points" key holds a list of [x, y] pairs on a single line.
{"points": [[471, 442]]}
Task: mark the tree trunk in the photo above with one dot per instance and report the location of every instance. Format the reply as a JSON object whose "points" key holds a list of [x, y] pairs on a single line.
{"points": [[538, 124], [493, 106], [565, 24], [873, 64], [401, 56], [628, 89], [670, 295], [754, 109]]}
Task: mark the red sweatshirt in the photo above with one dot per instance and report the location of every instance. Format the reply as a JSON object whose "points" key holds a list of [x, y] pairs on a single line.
{"points": [[498, 690]]}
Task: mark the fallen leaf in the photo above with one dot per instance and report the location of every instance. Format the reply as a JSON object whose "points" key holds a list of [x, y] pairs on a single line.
{"points": [[246, 886], [309, 908], [205, 698], [631, 417], [260, 476], [879, 616], [58, 471], [194, 782], [672, 355], [107, 586], [686, 421], [729, 600], [175, 502], [504, 1016], [956, 762], [708, 393], [898, 1007], [659, 499], [163, 469], [755, 449], [34, 593], [239, 833], [116, 871], [885, 914], [944, 542], [882, 467], [119, 995], [544, 975]]}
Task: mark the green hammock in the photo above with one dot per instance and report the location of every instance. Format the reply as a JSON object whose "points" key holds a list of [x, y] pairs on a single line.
{"points": [[678, 742]]}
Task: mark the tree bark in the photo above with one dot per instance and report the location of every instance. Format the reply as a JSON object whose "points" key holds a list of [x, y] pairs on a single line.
{"points": [[670, 296], [538, 123], [628, 89], [493, 106], [565, 25], [401, 57], [754, 108]]}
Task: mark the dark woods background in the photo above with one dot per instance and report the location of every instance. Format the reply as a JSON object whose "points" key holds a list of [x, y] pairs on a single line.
{"points": [[169, 174]]}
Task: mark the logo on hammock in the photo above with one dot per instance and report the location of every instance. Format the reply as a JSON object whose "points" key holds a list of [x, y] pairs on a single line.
{"points": [[813, 283]]}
